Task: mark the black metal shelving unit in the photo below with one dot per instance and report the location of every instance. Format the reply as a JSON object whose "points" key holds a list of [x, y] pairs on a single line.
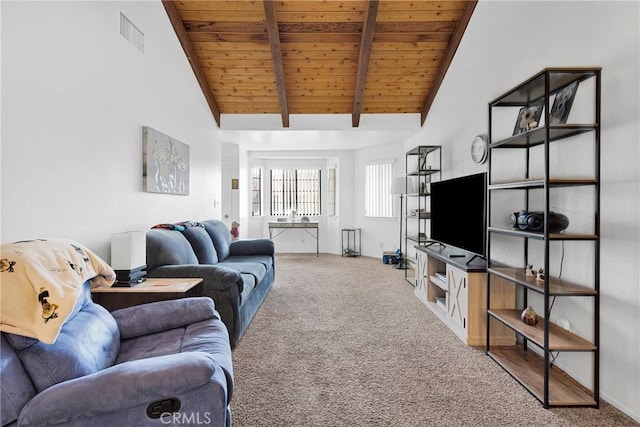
{"points": [[351, 242], [422, 164], [531, 360]]}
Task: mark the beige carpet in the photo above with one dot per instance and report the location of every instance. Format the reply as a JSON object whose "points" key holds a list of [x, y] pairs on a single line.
{"points": [[343, 342]]}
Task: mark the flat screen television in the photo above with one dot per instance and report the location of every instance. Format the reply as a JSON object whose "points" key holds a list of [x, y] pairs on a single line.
{"points": [[458, 212]]}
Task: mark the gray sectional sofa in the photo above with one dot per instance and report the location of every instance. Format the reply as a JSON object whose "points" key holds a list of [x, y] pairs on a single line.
{"points": [[236, 274]]}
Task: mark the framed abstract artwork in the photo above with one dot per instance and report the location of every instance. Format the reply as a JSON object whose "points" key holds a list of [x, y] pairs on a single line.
{"points": [[165, 167]]}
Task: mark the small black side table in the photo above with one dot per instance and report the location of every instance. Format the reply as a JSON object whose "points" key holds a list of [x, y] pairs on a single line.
{"points": [[351, 242]]}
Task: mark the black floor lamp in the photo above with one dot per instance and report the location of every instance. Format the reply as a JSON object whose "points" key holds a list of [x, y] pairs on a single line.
{"points": [[399, 186]]}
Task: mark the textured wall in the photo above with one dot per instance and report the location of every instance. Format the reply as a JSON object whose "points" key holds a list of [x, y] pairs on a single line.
{"points": [[75, 95], [507, 42]]}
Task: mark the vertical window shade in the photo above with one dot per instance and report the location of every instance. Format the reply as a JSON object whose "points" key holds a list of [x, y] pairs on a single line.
{"points": [[256, 192], [295, 190], [331, 192], [378, 201]]}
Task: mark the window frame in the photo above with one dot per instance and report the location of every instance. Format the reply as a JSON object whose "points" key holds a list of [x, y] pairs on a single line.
{"points": [[259, 190], [298, 188], [380, 193]]}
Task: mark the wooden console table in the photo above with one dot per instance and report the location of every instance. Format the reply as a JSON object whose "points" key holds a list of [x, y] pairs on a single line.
{"points": [[151, 290], [453, 285], [282, 226]]}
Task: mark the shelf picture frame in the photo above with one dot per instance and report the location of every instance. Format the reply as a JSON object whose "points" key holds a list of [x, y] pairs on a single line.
{"points": [[562, 103], [528, 118]]}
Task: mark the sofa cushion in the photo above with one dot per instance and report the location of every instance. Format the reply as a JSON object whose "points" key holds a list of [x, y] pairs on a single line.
{"points": [[208, 336], [88, 343], [202, 245], [248, 283], [168, 247], [220, 235], [265, 260], [16, 387], [256, 269]]}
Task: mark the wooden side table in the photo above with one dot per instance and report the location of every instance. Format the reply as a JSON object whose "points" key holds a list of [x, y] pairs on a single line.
{"points": [[151, 290]]}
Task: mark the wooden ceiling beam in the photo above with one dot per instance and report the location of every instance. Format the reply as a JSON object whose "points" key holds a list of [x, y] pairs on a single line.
{"points": [[368, 29], [225, 27], [316, 38], [183, 37], [276, 53], [319, 28], [453, 46]]}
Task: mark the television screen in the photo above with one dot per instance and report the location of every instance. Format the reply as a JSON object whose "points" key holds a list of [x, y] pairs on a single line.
{"points": [[458, 212]]}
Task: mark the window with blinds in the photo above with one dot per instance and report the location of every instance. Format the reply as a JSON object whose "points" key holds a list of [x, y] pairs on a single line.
{"points": [[295, 190], [378, 200], [331, 192], [256, 192]]}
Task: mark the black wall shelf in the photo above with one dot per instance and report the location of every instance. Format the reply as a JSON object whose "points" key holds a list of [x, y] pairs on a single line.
{"points": [[537, 370]]}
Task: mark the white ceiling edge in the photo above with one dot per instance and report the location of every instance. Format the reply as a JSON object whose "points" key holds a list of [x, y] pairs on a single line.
{"points": [[319, 122], [264, 132]]}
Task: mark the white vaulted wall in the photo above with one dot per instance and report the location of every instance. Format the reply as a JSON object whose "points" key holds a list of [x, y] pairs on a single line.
{"points": [[507, 42], [75, 95]]}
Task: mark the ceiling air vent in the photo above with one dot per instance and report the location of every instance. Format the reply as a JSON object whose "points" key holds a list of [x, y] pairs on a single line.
{"points": [[130, 32]]}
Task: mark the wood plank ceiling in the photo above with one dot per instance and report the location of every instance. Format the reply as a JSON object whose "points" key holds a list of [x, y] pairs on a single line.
{"points": [[319, 56]]}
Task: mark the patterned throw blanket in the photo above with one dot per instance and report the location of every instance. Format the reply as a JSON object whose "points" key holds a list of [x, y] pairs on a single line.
{"points": [[40, 283]]}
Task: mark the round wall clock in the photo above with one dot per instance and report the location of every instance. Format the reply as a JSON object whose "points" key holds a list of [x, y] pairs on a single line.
{"points": [[480, 148]]}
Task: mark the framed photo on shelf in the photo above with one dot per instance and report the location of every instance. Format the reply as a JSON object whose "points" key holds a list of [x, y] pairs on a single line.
{"points": [[528, 118], [562, 104]]}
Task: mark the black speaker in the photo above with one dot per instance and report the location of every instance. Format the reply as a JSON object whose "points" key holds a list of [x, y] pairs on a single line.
{"points": [[534, 221]]}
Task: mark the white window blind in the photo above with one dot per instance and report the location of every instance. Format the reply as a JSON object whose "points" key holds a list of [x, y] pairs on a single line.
{"points": [[331, 192], [295, 190], [378, 201], [256, 192]]}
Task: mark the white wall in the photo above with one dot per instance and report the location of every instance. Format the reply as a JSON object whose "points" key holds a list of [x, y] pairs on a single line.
{"points": [[378, 234], [75, 96], [329, 227], [507, 42]]}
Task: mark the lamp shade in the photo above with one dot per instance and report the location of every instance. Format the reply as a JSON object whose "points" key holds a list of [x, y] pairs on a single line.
{"points": [[398, 185], [128, 250], [402, 185]]}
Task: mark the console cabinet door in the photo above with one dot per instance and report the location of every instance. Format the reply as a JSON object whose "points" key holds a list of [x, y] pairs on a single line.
{"points": [[420, 291], [457, 297]]}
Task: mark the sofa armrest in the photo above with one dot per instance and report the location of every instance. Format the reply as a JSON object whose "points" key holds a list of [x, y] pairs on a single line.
{"points": [[215, 277], [252, 247], [163, 315], [124, 386]]}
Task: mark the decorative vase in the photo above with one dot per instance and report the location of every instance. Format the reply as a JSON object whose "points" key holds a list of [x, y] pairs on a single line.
{"points": [[529, 316]]}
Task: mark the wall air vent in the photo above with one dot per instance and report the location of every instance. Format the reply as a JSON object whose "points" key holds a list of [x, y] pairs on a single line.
{"points": [[130, 32]]}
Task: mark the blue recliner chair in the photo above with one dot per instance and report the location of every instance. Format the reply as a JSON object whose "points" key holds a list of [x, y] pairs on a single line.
{"points": [[158, 364]]}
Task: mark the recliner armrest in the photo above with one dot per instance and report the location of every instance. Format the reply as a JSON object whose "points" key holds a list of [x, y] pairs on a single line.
{"points": [[163, 315], [124, 386], [252, 247]]}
